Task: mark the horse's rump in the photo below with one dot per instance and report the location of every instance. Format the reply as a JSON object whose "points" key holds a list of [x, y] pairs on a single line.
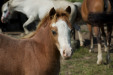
{"points": [[100, 18]]}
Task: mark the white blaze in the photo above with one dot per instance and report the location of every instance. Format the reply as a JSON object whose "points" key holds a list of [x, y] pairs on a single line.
{"points": [[63, 37]]}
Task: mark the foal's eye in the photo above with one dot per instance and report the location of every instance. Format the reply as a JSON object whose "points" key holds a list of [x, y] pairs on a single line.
{"points": [[54, 32]]}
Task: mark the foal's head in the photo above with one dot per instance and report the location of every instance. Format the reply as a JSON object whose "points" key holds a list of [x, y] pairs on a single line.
{"points": [[60, 29], [7, 11]]}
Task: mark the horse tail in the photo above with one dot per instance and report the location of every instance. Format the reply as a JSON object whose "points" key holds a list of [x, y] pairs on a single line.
{"points": [[29, 35], [100, 18], [78, 9], [78, 4]]}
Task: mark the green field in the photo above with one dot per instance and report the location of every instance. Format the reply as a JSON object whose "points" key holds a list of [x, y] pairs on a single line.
{"points": [[84, 63]]}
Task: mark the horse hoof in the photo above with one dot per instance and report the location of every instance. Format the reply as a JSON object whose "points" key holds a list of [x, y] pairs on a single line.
{"points": [[99, 62], [22, 34], [82, 44], [90, 51], [106, 50], [27, 32]]}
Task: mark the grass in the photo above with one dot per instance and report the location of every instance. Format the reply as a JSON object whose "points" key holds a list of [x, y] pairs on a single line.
{"points": [[84, 31], [84, 63]]}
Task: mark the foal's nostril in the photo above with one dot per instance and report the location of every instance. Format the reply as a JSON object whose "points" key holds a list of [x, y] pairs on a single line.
{"points": [[66, 55]]}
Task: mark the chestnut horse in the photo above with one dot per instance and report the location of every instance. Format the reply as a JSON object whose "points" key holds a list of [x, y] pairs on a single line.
{"points": [[40, 54], [97, 6]]}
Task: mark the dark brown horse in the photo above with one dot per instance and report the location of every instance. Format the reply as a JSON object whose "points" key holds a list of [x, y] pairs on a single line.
{"points": [[97, 6], [40, 54]]}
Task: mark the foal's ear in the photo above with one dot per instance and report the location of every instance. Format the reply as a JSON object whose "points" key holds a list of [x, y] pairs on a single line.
{"points": [[68, 9], [52, 12]]}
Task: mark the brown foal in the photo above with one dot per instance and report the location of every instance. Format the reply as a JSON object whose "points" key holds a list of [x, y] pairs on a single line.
{"points": [[40, 54]]}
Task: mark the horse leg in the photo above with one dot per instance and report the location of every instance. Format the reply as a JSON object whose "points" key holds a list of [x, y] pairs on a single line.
{"points": [[80, 38], [0, 30], [30, 20], [98, 35], [79, 34], [104, 37], [111, 2], [109, 32], [91, 37]]}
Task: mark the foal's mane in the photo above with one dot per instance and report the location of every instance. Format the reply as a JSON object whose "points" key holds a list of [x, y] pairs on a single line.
{"points": [[47, 20]]}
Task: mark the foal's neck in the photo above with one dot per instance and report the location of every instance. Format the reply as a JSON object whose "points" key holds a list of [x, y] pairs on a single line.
{"points": [[43, 37], [47, 52]]}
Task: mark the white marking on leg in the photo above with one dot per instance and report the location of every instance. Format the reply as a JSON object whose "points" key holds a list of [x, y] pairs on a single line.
{"points": [[0, 30], [79, 34], [91, 46], [105, 44], [99, 56], [80, 38], [30, 20]]}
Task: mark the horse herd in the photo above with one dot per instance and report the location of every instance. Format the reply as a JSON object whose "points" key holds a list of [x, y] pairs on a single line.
{"points": [[39, 53]]}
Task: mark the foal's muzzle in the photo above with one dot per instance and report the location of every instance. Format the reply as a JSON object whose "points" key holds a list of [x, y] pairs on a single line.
{"points": [[67, 53]]}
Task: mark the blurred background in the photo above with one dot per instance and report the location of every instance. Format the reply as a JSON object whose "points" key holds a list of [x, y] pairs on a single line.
{"points": [[16, 23], [75, 0]]}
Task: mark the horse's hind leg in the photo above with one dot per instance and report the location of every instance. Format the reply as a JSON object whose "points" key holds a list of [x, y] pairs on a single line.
{"points": [[80, 38], [98, 35], [91, 37], [30, 20], [109, 32], [0, 30], [104, 37], [79, 34]]}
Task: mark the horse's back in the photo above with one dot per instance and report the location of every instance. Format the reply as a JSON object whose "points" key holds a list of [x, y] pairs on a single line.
{"points": [[6, 40], [9, 56], [62, 4], [95, 6], [13, 55], [18, 57], [84, 10]]}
